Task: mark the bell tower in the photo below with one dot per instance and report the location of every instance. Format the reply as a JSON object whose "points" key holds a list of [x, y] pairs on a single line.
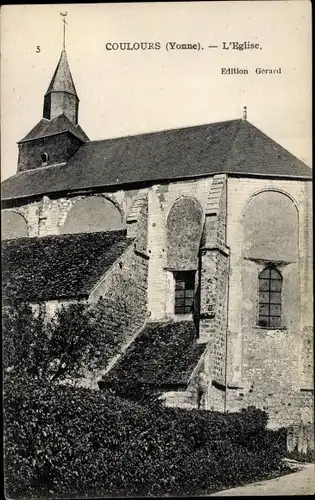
{"points": [[58, 135], [61, 96]]}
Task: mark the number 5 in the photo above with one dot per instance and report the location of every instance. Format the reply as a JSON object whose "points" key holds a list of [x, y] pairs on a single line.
{"points": [[38, 48]]}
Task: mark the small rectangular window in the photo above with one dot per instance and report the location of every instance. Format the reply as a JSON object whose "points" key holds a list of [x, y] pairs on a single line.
{"points": [[184, 291]]}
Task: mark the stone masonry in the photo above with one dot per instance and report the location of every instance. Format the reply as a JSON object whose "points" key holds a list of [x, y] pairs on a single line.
{"points": [[58, 149], [243, 364], [207, 209], [267, 368]]}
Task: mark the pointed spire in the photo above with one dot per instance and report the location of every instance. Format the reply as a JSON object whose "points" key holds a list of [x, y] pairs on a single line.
{"points": [[62, 79], [61, 97], [244, 113]]}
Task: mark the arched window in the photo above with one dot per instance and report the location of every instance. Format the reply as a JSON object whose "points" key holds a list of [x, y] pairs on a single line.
{"points": [[92, 214], [271, 228], [44, 157], [13, 225], [270, 287], [183, 234]]}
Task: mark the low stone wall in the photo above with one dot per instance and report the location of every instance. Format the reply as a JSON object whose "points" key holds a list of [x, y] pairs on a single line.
{"points": [[285, 406], [300, 438]]}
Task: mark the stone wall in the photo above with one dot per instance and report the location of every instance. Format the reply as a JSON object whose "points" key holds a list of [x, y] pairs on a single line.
{"points": [[13, 225], [306, 257], [206, 388], [59, 149], [137, 222], [92, 214], [124, 287], [271, 227], [270, 369], [125, 290], [213, 315], [161, 279], [123, 293], [300, 438], [183, 234], [265, 366], [214, 269], [179, 399], [307, 301], [285, 406], [47, 215]]}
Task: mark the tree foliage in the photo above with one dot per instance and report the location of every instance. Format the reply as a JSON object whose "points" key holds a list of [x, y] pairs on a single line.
{"points": [[75, 339], [69, 442]]}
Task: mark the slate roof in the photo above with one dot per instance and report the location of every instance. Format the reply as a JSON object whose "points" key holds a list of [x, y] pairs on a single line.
{"points": [[234, 147], [62, 80], [163, 355], [62, 266], [55, 126]]}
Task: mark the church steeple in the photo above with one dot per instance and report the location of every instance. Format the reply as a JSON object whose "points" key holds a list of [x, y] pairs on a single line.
{"points": [[58, 135], [61, 96]]}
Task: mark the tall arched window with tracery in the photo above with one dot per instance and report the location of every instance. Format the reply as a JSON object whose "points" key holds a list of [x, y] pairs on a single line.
{"points": [[270, 288]]}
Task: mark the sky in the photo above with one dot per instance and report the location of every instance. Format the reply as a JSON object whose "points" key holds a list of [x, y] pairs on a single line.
{"points": [[131, 92]]}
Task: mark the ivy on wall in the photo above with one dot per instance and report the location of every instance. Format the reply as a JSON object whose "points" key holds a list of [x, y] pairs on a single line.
{"points": [[77, 338]]}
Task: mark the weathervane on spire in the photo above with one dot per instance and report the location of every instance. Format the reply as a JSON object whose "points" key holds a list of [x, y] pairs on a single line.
{"points": [[64, 28], [245, 113]]}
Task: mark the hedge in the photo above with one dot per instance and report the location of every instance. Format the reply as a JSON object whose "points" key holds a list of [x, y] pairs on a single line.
{"points": [[299, 456], [65, 441]]}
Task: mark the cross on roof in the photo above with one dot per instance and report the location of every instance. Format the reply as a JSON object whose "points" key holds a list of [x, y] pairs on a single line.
{"points": [[64, 28]]}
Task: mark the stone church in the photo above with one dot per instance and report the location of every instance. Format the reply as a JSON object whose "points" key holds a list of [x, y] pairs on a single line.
{"points": [[207, 230]]}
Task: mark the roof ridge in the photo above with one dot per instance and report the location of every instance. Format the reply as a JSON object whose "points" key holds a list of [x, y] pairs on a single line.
{"points": [[265, 136], [68, 126], [140, 134], [250, 127], [234, 147], [34, 239], [234, 140]]}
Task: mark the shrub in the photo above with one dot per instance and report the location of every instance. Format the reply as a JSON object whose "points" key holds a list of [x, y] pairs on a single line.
{"points": [[66, 441], [74, 340], [299, 456], [23, 340]]}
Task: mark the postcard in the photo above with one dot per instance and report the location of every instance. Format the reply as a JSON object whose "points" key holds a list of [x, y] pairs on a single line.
{"points": [[157, 273]]}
